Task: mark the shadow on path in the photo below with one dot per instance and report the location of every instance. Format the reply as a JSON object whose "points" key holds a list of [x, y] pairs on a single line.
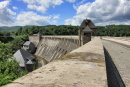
{"points": [[113, 76]]}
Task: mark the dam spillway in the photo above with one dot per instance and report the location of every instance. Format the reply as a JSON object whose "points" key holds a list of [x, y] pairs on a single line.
{"points": [[52, 47]]}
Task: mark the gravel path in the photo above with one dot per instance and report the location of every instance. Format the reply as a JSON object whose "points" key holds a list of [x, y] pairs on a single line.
{"points": [[121, 58]]}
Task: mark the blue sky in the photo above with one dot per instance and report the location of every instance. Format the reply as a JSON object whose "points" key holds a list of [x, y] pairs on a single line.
{"points": [[63, 12]]}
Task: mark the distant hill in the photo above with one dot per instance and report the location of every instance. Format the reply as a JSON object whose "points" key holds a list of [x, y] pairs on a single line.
{"points": [[5, 28], [14, 28], [48, 26]]}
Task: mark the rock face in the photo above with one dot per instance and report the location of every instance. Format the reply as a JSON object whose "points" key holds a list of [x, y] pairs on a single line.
{"points": [[83, 67]]}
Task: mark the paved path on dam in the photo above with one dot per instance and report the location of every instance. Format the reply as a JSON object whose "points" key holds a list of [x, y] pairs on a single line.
{"points": [[121, 57]]}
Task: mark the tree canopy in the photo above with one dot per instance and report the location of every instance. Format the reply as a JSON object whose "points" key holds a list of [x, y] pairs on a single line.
{"points": [[113, 30], [9, 67], [52, 30]]}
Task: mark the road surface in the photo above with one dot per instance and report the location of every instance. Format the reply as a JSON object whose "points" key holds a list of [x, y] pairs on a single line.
{"points": [[120, 55]]}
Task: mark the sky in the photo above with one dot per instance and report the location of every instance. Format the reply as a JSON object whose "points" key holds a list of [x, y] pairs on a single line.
{"points": [[63, 12]]}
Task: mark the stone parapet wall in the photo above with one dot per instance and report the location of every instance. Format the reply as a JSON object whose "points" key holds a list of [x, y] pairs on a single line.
{"points": [[83, 67], [63, 36]]}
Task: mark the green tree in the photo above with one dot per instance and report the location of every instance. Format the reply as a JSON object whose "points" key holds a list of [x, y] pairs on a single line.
{"points": [[9, 68]]}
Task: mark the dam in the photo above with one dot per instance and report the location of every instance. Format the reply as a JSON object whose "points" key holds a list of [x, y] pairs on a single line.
{"points": [[52, 47], [77, 61]]}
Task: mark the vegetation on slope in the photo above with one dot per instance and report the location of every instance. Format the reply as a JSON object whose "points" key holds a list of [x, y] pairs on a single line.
{"points": [[110, 30], [114, 30], [52, 30], [9, 68], [13, 28]]}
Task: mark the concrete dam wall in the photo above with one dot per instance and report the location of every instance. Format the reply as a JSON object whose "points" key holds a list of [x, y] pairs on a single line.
{"points": [[53, 47]]}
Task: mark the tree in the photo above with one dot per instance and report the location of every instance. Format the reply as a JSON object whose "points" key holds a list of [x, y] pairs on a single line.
{"points": [[9, 68], [113, 30]]}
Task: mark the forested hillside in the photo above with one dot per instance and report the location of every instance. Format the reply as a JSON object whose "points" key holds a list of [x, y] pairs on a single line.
{"points": [[14, 28], [113, 30], [9, 68], [110, 30], [52, 30]]}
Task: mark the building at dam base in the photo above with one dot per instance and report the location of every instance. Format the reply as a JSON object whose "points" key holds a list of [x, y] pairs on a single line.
{"points": [[25, 59]]}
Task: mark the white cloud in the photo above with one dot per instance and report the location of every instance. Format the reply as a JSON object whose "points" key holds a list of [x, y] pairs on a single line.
{"points": [[15, 8], [42, 5], [9, 18], [75, 6], [4, 4], [38, 8], [56, 17], [31, 18], [71, 22], [71, 1], [5, 13], [102, 12]]}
